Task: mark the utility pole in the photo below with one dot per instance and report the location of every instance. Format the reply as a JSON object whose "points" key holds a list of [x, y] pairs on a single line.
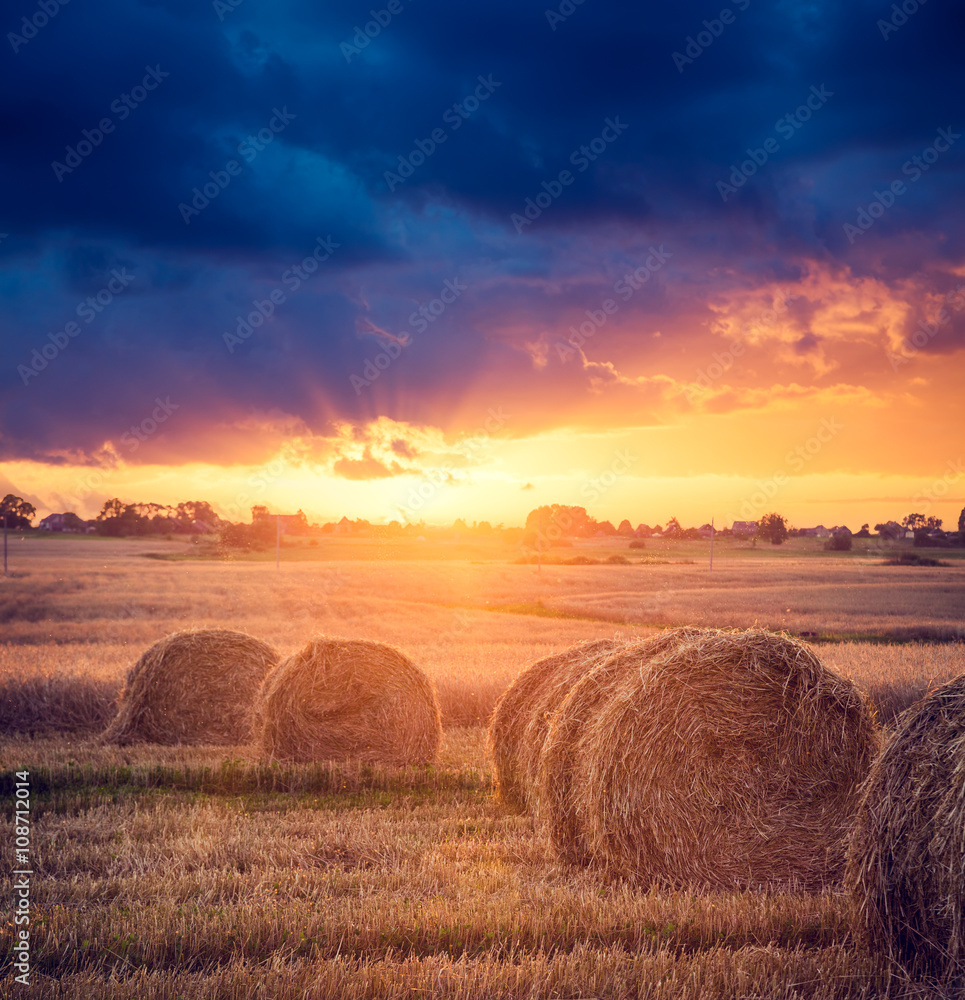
{"points": [[712, 545]]}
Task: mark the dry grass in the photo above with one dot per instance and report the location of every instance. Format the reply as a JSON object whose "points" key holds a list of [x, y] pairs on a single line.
{"points": [[194, 686], [348, 699], [178, 871], [174, 872], [906, 864], [893, 678], [729, 760]]}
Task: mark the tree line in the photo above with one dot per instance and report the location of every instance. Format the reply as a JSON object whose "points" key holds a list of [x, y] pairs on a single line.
{"points": [[551, 524]]}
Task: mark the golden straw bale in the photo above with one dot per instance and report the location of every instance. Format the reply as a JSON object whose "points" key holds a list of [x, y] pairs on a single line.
{"points": [[556, 807], [348, 699], [521, 717], [194, 686], [729, 761], [906, 858]]}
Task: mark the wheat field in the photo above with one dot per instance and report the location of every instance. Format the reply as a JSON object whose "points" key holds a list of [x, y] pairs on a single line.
{"points": [[204, 872]]}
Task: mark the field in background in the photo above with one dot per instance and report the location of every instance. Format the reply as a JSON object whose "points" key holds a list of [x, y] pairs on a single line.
{"points": [[169, 872]]}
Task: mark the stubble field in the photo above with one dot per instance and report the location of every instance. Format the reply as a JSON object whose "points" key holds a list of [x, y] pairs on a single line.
{"points": [[186, 872]]}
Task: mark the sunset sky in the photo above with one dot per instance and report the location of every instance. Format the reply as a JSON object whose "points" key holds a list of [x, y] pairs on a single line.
{"points": [[221, 223]]}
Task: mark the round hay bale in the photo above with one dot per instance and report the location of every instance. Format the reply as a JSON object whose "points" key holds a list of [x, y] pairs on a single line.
{"points": [[906, 857], [348, 699], [194, 686], [557, 810], [729, 761], [521, 717]]}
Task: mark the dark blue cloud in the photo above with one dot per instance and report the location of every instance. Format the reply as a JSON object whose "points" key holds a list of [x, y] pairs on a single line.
{"points": [[224, 74]]}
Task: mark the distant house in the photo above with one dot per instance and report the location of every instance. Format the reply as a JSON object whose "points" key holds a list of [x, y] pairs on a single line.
{"points": [[706, 531], [68, 522], [819, 532], [744, 529]]}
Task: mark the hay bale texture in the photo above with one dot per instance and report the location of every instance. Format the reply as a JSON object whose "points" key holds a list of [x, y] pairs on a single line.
{"points": [[194, 686], [558, 811], [906, 859], [726, 761], [521, 718], [348, 699]]}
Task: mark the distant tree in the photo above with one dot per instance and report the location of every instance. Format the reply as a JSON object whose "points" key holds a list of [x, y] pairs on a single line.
{"points": [[961, 521], [74, 523], [772, 528], [933, 523], [558, 521], [19, 513], [195, 510], [913, 522], [108, 520], [839, 542], [673, 529], [606, 527], [864, 532], [625, 528]]}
